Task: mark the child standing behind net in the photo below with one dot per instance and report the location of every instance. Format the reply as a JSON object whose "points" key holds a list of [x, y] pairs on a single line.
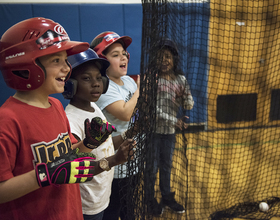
{"points": [[172, 92], [88, 81], [118, 105]]}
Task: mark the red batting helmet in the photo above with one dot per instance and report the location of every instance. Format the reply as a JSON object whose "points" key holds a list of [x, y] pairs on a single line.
{"points": [[27, 40], [102, 41]]}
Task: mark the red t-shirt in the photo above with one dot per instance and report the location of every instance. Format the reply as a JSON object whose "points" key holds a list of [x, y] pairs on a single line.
{"points": [[31, 135]]}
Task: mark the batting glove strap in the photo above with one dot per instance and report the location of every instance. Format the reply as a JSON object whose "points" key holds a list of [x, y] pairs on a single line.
{"points": [[42, 175], [88, 144]]}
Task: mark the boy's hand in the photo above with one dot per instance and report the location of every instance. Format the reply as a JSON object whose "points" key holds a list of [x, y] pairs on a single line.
{"points": [[97, 132], [73, 167], [126, 151]]}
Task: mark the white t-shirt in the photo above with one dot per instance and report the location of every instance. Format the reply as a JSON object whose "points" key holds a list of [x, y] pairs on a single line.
{"points": [[115, 93], [95, 194]]}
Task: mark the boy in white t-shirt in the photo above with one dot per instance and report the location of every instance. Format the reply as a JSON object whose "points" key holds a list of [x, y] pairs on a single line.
{"points": [[88, 81]]}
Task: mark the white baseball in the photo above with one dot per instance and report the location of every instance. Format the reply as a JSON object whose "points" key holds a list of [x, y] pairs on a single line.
{"points": [[263, 206]]}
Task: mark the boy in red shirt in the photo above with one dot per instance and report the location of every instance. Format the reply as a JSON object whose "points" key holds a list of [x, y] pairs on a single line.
{"points": [[36, 152]]}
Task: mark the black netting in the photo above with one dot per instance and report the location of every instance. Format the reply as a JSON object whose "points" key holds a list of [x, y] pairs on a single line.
{"points": [[226, 162]]}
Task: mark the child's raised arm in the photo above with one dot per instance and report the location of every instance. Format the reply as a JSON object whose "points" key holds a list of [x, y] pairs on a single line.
{"points": [[123, 110]]}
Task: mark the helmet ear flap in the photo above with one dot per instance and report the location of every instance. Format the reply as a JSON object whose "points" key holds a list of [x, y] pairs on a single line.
{"points": [[70, 88], [21, 76], [105, 84]]}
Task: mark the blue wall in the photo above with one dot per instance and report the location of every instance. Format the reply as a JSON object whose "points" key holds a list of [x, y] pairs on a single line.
{"points": [[196, 58]]}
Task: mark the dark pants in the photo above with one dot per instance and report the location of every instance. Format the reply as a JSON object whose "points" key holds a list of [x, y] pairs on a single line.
{"points": [[98, 216], [121, 204], [159, 156]]}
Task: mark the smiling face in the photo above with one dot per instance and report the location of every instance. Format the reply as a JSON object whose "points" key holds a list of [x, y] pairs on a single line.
{"points": [[165, 61], [90, 84], [57, 69], [117, 57]]}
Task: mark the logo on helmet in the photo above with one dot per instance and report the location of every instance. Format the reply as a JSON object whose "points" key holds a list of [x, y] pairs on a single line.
{"points": [[111, 37], [15, 55], [59, 30]]}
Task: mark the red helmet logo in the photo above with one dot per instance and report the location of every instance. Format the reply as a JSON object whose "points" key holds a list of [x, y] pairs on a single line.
{"points": [[111, 37], [60, 30]]}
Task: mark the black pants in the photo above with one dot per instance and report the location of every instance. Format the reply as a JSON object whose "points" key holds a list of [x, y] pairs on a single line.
{"points": [[120, 205]]}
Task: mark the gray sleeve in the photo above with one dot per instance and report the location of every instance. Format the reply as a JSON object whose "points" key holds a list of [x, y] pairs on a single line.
{"points": [[187, 97]]}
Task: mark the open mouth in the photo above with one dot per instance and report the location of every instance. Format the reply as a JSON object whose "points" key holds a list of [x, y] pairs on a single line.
{"points": [[61, 79], [123, 66]]}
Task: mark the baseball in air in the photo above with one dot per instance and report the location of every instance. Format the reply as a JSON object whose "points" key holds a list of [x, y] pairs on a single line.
{"points": [[263, 206]]}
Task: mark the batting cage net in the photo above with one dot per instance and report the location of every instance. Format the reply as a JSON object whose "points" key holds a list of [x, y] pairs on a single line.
{"points": [[213, 66]]}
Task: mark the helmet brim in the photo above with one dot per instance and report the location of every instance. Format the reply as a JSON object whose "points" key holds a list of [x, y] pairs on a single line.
{"points": [[75, 47], [126, 41]]}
